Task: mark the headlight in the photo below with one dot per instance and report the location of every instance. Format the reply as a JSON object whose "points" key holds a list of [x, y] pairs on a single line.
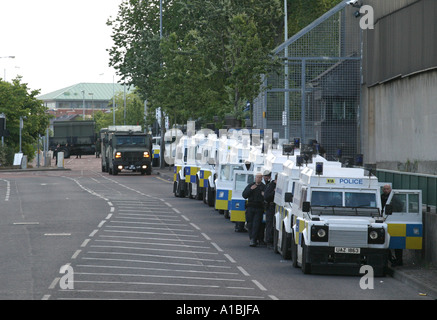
{"points": [[376, 236], [118, 155], [373, 235], [146, 154], [319, 233]]}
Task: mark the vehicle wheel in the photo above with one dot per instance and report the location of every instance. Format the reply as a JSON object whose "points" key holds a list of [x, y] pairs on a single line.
{"points": [[149, 170], [199, 191], [190, 190], [293, 252], [211, 197], [114, 171], [155, 162], [285, 246], [306, 266], [180, 190], [227, 214], [204, 195], [66, 153], [275, 237]]}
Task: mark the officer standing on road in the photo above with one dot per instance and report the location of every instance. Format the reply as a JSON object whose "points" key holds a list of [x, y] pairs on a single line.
{"points": [[269, 197], [254, 193]]}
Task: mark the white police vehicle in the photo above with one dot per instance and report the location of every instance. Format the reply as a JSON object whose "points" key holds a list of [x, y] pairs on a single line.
{"points": [[234, 150], [337, 222], [285, 188]]}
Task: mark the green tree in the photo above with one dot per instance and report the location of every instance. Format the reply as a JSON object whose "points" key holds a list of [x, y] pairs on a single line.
{"points": [[134, 112], [209, 60], [17, 100]]}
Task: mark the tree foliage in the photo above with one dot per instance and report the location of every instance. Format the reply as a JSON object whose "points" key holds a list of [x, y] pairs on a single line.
{"points": [[17, 100], [212, 54]]}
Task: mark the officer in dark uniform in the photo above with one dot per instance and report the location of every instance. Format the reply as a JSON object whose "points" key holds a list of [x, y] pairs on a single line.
{"points": [[269, 197], [254, 193]]}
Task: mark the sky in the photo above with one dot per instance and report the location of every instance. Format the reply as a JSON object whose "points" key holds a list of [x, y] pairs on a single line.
{"points": [[56, 43]]}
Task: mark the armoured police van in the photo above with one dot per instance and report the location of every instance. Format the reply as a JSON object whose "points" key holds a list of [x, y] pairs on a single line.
{"points": [[338, 226], [196, 179], [209, 160], [285, 189], [233, 151], [260, 148]]}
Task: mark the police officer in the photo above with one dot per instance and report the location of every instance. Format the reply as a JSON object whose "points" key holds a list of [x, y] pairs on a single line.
{"points": [[254, 193], [269, 197]]}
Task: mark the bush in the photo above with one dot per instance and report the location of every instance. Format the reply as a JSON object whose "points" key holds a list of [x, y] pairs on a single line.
{"points": [[6, 156]]}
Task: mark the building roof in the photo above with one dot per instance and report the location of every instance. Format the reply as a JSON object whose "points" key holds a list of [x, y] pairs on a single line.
{"points": [[100, 91]]}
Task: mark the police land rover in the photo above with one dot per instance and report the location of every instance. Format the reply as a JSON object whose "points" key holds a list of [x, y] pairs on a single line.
{"points": [[285, 188], [338, 225]]}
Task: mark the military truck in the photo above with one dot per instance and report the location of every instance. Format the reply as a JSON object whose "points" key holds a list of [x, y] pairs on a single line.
{"points": [[126, 148], [73, 137]]}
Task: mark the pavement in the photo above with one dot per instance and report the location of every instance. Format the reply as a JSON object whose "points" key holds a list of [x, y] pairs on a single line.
{"points": [[414, 272]]}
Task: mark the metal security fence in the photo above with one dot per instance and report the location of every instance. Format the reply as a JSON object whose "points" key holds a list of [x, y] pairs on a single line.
{"points": [[314, 94]]}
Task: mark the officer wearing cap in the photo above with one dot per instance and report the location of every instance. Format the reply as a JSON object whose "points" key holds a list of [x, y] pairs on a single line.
{"points": [[254, 193]]}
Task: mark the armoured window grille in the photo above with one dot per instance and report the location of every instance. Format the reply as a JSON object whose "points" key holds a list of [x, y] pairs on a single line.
{"points": [[323, 89]]}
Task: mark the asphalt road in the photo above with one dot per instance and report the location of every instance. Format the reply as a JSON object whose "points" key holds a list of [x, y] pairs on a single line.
{"points": [[83, 234]]}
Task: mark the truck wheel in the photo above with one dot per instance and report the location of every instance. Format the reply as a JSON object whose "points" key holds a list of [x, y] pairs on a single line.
{"points": [[293, 252], [199, 193], [285, 247], [211, 197], [275, 237], [306, 266], [66, 153]]}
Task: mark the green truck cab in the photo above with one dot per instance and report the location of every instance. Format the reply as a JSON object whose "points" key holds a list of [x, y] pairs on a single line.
{"points": [[126, 148]]}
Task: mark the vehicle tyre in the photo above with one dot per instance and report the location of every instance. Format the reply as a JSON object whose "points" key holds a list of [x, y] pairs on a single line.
{"points": [[211, 197], [199, 191], [275, 237], [204, 195], [190, 190], [285, 246], [227, 214], [66, 153], [306, 266], [293, 252]]}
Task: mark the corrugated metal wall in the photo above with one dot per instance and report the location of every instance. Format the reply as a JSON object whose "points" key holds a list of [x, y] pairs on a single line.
{"points": [[403, 42]]}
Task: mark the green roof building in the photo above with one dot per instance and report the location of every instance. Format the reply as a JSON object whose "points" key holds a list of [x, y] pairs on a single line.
{"points": [[71, 100]]}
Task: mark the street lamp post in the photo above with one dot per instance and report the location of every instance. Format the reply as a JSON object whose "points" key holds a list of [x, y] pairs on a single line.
{"points": [[2, 130], [83, 104], [21, 128], [92, 102]]}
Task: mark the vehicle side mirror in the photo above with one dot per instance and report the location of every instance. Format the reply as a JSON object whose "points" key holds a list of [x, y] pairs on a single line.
{"points": [[288, 197], [306, 206], [388, 209]]}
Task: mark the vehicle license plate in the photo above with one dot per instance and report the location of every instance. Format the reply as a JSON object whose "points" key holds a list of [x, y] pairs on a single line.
{"points": [[347, 250]]}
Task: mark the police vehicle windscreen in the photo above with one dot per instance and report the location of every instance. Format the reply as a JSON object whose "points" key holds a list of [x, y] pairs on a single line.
{"points": [[335, 199], [355, 199], [326, 199], [135, 140]]}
